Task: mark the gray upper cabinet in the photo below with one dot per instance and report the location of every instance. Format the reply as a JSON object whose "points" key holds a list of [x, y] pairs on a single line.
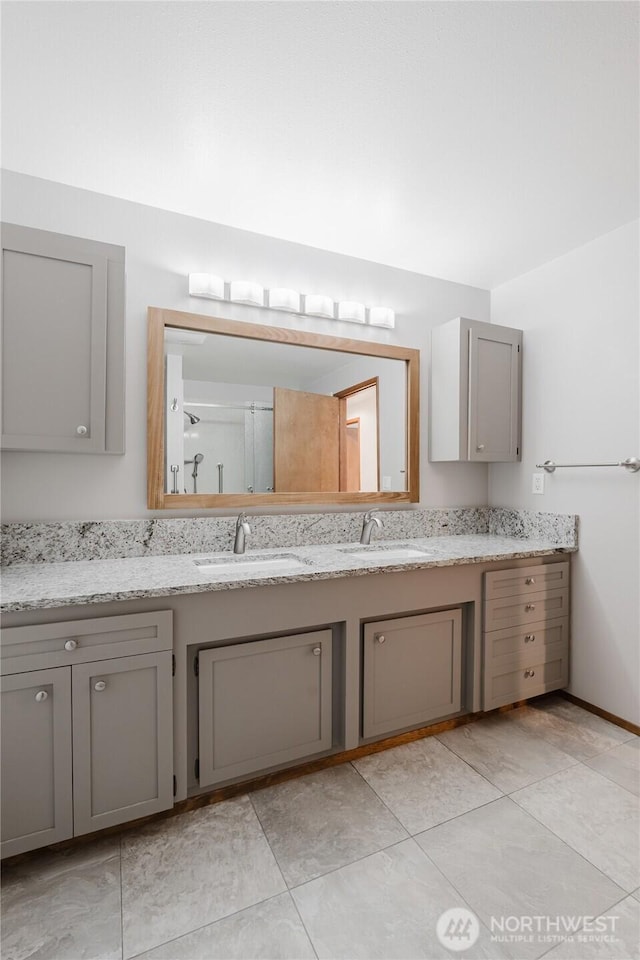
{"points": [[475, 392], [62, 343]]}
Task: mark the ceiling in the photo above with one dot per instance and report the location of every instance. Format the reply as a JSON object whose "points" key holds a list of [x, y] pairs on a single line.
{"points": [[471, 141]]}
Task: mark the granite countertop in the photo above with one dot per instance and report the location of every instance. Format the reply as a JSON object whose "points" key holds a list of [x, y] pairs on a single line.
{"points": [[37, 586]]}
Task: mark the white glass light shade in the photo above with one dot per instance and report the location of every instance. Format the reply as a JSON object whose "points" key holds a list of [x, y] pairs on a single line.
{"points": [[281, 298], [382, 317], [245, 291], [351, 310], [206, 285], [317, 305]]}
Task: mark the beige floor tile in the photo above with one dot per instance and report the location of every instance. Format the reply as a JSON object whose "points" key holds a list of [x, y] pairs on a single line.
{"points": [[506, 754], [63, 906], [321, 822], [568, 727], [619, 940], [271, 930], [622, 765], [506, 864], [424, 783], [183, 873], [596, 817], [384, 907]]}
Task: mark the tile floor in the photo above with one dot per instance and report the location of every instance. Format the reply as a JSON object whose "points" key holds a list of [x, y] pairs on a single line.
{"points": [[532, 813]]}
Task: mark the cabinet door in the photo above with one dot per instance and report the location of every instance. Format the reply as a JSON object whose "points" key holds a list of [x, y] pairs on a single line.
{"points": [[63, 326], [412, 671], [36, 759], [263, 704], [494, 393], [122, 740]]}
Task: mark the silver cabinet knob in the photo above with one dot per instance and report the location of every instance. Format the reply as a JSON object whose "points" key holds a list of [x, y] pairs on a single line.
{"points": [[380, 637], [71, 645], [480, 447], [529, 637], [41, 696], [530, 606], [529, 580], [81, 430], [100, 686], [317, 651], [529, 673]]}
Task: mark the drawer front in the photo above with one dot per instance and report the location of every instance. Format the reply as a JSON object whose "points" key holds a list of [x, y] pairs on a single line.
{"points": [[524, 682], [83, 641], [535, 643], [517, 611], [523, 581]]}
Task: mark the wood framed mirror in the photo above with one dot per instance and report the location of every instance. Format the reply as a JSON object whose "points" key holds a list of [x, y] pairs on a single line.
{"points": [[241, 415]]}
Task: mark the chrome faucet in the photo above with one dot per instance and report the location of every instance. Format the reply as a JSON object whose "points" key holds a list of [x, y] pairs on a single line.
{"points": [[368, 524], [242, 532]]}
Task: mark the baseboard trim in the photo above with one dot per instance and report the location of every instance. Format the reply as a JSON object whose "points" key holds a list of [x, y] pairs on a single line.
{"points": [[599, 712]]}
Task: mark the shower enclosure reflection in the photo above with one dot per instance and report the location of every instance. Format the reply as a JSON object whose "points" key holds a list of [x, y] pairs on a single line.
{"points": [[239, 441]]}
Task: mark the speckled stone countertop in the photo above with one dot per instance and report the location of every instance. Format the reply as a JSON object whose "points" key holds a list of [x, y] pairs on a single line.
{"points": [[37, 586]]}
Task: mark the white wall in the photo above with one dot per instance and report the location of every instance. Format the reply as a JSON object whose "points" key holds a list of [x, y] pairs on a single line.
{"points": [[162, 248], [581, 404]]}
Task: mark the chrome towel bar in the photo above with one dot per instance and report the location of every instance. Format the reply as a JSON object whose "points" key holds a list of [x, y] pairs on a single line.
{"points": [[632, 464]]}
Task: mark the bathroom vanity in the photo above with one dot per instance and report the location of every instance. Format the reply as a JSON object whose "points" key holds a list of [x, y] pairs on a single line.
{"points": [[133, 683]]}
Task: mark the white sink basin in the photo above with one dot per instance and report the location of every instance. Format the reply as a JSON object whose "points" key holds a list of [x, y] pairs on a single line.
{"points": [[387, 553], [250, 563]]}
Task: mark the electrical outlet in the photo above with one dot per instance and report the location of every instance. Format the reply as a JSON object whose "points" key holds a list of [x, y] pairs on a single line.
{"points": [[537, 485], [386, 483]]}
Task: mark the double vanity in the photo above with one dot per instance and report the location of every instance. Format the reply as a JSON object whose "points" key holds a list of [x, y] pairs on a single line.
{"points": [[146, 662], [131, 683]]}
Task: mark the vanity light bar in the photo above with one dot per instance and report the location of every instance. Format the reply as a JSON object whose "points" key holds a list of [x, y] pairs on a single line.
{"points": [[213, 287]]}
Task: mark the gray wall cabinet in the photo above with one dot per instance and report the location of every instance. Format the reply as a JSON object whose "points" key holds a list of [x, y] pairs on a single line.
{"points": [[475, 392], [526, 632], [63, 328], [263, 704], [412, 671], [88, 744]]}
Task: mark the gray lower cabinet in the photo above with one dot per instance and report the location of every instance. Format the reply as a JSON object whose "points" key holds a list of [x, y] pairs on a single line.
{"points": [[525, 632], [36, 759], [263, 703], [63, 342], [87, 744], [475, 392], [412, 671], [122, 740]]}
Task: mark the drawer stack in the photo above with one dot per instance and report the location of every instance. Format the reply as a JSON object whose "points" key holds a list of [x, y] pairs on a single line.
{"points": [[525, 632]]}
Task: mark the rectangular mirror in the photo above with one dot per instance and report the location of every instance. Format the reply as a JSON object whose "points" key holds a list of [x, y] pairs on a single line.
{"points": [[242, 414]]}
